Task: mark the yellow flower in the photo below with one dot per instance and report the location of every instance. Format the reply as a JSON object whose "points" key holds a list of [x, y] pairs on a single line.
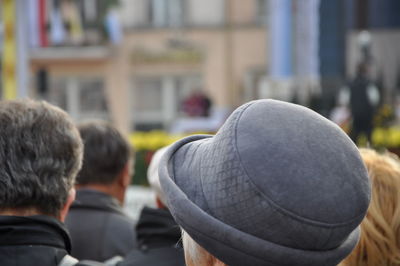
{"points": [[386, 137], [152, 140]]}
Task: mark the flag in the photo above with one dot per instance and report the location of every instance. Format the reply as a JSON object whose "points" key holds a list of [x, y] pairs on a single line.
{"points": [[9, 51], [57, 31], [33, 23]]}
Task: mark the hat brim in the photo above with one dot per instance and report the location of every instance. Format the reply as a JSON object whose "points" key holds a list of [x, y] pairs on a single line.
{"points": [[228, 244]]}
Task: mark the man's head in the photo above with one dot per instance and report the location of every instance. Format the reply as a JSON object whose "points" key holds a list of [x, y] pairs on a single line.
{"points": [[40, 155], [106, 157], [277, 185]]}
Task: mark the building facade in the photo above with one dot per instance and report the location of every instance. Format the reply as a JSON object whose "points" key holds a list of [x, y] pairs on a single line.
{"points": [[169, 49], [134, 62]]}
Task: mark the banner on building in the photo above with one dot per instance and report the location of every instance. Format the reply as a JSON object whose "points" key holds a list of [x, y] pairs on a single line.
{"points": [[9, 77]]}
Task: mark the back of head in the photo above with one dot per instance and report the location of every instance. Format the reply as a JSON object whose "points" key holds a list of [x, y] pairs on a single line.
{"points": [[40, 155], [380, 230], [152, 174], [106, 153]]}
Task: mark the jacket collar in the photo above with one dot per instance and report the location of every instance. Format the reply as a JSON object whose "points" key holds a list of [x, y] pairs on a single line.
{"points": [[157, 227], [33, 230], [94, 199]]}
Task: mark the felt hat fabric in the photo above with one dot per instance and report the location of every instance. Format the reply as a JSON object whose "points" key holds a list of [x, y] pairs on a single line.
{"points": [[277, 185]]}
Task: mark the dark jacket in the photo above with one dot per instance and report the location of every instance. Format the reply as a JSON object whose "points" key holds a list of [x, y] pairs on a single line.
{"points": [[361, 107], [158, 239], [99, 228], [33, 240]]}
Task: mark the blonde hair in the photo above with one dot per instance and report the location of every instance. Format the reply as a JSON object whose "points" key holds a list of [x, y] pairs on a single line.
{"points": [[380, 230]]}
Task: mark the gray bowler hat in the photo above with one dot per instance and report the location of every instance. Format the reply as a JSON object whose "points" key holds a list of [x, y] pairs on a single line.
{"points": [[277, 185]]}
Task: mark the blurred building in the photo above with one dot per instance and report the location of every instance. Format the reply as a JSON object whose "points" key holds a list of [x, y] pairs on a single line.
{"points": [[134, 62], [168, 50]]}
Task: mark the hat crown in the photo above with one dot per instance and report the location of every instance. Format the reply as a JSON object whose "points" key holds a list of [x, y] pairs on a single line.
{"points": [[277, 185], [284, 173]]}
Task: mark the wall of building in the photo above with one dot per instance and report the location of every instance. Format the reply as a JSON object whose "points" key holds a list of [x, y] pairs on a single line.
{"points": [[222, 70]]}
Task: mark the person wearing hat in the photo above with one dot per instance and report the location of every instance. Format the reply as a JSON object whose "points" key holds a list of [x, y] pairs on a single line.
{"points": [[277, 185]]}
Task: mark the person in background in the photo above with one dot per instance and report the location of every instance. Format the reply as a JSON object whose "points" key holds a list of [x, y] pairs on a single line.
{"points": [[364, 99], [380, 230], [197, 104], [277, 185], [158, 235], [40, 155], [99, 228]]}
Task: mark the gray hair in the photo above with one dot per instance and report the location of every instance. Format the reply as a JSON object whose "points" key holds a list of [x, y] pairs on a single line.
{"points": [[152, 174], [40, 155], [195, 254], [193, 251], [106, 153]]}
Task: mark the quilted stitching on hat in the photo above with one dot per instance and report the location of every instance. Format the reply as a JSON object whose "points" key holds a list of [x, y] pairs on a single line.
{"points": [[230, 195], [233, 199]]}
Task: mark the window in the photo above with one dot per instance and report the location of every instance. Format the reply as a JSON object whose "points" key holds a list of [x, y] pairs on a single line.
{"points": [[148, 96], [58, 94], [205, 12], [166, 13], [262, 12], [82, 97], [92, 96], [156, 100]]}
